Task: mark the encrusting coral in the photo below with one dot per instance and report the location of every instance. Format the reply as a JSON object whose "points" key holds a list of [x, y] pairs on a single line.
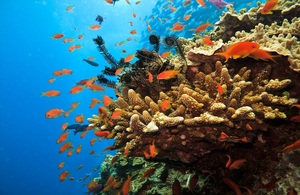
{"points": [[212, 110]]}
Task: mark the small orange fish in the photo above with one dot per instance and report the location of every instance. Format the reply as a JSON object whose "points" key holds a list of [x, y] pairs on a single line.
{"points": [[109, 148], [116, 114], [293, 146], [150, 77], [228, 162], [63, 176], [57, 73], [63, 137], [78, 149], [202, 27], [95, 87], [76, 89], [51, 80], [207, 41], [177, 27], [79, 118], [80, 37], [119, 70], [70, 8], [101, 133], [79, 167], [51, 93], [149, 172], [67, 113], [129, 58], [220, 88], [134, 14], [57, 36], [187, 17], [269, 6], [71, 48], [78, 46], [92, 151], [239, 50], [237, 164], [126, 150], [66, 71], [152, 149], [94, 101], [68, 40], [92, 141], [74, 105], [166, 104], [186, 2], [201, 2], [233, 186], [65, 146], [165, 54], [110, 1], [167, 74], [54, 113], [113, 160], [64, 126], [133, 32], [70, 153], [61, 165], [126, 186], [138, 2], [95, 27], [83, 134], [71, 178], [107, 100]]}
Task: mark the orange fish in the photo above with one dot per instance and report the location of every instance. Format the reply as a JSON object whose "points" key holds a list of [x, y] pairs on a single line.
{"points": [[293, 146], [54, 113], [83, 134], [71, 178], [66, 71], [79, 118], [134, 14], [119, 70], [177, 27], [166, 104], [133, 32], [68, 40], [116, 114], [220, 88], [64, 126], [269, 6], [67, 113], [167, 74], [70, 8], [107, 100], [150, 77], [165, 54], [129, 57], [262, 55], [57, 73], [70, 152], [202, 27], [237, 164], [78, 46], [110, 1], [71, 48], [126, 150], [92, 141], [63, 176], [201, 2], [113, 160], [186, 2], [57, 36], [92, 151], [51, 80], [61, 165], [95, 27], [78, 149], [207, 41], [233, 186], [94, 101], [149, 172], [138, 2], [126, 186], [80, 37], [76, 89], [101, 133], [239, 50], [228, 162], [79, 167], [95, 87], [63, 137], [65, 146], [74, 105], [51, 93], [153, 151], [187, 17]]}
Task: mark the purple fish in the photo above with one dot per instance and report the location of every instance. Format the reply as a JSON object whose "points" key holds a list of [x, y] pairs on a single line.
{"points": [[219, 3]]}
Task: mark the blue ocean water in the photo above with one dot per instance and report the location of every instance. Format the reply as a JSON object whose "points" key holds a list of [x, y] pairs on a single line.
{"points": [[28, 149]]}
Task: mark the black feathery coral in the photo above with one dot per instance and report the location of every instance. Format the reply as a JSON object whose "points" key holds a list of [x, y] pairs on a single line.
{"points": [[102, 80], [154, 40], [172, 41], [108, 57]]}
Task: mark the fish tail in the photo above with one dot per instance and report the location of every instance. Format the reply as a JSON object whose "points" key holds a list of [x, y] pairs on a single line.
{"points": [[224, 54]]}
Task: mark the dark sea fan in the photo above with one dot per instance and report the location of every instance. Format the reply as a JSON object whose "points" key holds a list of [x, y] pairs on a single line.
{"points": [[154, 40], [172, 41]]}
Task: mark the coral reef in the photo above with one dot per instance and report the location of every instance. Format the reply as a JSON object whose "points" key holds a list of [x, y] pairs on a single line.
{"points": [[190, 124]]}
